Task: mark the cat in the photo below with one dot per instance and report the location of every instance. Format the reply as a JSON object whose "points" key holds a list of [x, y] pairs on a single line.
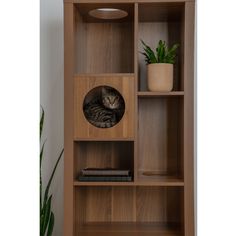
{"points": [[105, 110]]}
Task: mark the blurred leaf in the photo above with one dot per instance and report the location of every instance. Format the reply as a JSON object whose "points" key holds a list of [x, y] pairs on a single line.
{"points": [[50, 225], [149, 54], [41, 122], [47, 212], [50, 180]]}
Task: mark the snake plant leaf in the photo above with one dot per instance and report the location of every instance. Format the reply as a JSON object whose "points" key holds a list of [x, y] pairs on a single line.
{"points": [[41, 153], [50, 225], [47, 214], [41, 122], [41, 158], [50, 180]]}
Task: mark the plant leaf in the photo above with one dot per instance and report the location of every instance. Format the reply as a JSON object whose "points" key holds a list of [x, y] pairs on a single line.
{"points": [[41, 122], [50, 225], [47, 213], [50, 180], [41, 153], [149, 54], [41, 158]]}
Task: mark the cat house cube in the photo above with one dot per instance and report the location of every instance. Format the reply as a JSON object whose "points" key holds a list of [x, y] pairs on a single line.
{"points": [[124, 129]]}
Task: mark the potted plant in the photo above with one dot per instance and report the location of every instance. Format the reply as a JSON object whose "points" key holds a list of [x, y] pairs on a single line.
{"points": [[160, 66]]}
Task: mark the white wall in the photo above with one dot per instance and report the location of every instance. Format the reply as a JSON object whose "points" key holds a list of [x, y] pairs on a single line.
{"points": [[51, 98]]}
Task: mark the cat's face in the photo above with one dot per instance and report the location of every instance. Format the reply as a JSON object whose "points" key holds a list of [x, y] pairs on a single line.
{"points": [[110, 99]]}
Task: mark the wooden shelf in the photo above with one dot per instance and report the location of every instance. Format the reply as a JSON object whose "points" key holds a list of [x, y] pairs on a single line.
{"points": [[82, 183], [159, 180], [149, 181], [125, 229], [103, 140], [104, 74], [144, 94]]}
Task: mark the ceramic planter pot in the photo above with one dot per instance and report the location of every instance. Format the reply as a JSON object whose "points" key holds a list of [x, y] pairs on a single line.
{"points": [[160, 77]]}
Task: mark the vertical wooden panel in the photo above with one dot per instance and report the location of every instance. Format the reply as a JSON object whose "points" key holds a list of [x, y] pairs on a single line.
{"points": [[189, 119], [68, 119], [135, 90], [122, 204], [151, 204], [98, 204]]}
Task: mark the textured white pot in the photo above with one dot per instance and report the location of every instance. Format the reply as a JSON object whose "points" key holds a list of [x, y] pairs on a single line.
{"points": [[160, 77]]}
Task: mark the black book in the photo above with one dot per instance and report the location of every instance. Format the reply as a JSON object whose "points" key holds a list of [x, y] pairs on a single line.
{"points": [[105, 178]]}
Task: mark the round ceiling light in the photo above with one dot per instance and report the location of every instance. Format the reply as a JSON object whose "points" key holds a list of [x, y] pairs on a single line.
{"points": [[108, 13]]}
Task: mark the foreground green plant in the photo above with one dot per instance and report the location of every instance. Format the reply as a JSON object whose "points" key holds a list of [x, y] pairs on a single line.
{"points": [[46, 214], [163, 53]]}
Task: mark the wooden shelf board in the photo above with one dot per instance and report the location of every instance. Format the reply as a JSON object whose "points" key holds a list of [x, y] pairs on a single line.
{"points": [[108, 183], [104, 74], [126, 1], [141, 182], [103, 140], [143, 228], [162, 179], [148, 94]]}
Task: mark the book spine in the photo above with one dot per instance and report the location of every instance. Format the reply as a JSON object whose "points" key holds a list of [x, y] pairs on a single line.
{"points": [[105, 173]]}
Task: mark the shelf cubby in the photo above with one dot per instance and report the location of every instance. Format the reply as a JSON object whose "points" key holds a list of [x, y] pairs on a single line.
{"points": [[129, 211], [103, 46], [161, 21], [160, 140], [103, 154]]}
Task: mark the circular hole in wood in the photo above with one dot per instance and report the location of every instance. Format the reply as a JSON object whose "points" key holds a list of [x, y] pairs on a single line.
{"points": [[103, 107], [108, 13]]}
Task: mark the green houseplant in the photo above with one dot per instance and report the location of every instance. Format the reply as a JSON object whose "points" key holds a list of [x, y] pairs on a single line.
{"points": [[160, 66], [46, 213]]}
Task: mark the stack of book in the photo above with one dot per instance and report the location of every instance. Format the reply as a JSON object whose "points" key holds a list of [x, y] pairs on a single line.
{"points": [[106, 174]]}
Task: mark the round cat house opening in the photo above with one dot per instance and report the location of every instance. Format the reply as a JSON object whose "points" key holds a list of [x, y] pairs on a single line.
{"points": [[103, 107]]}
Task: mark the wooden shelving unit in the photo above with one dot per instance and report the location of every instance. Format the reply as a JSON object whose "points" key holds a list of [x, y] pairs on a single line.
{"points": [[155, 137]]}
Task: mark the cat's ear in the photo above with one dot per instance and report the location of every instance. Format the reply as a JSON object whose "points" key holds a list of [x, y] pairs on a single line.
{"points": [[104, 90]]}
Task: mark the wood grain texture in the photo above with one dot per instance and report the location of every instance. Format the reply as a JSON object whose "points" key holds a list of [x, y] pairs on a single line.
{"points": [[160, 12], [159, 140], [68, 120], [158, 204], [128, 1], [148, 94], [122, 204], [123, 129], [103, 47], [167, 181], [103, 155], [129, 228], [135, 90], [189, 120]]}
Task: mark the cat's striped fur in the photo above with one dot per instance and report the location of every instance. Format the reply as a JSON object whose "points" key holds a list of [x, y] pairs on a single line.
{"points": [[105, 110]]}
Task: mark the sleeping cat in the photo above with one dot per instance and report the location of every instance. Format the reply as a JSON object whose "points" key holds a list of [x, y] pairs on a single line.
{"points": [[105, 110]]}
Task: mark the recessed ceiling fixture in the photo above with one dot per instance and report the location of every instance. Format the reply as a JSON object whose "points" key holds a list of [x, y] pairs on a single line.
{"points": [[108, 13]]}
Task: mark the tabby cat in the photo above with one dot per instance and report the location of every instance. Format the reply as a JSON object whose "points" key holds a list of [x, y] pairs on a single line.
{"points": [[105, 110]]}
